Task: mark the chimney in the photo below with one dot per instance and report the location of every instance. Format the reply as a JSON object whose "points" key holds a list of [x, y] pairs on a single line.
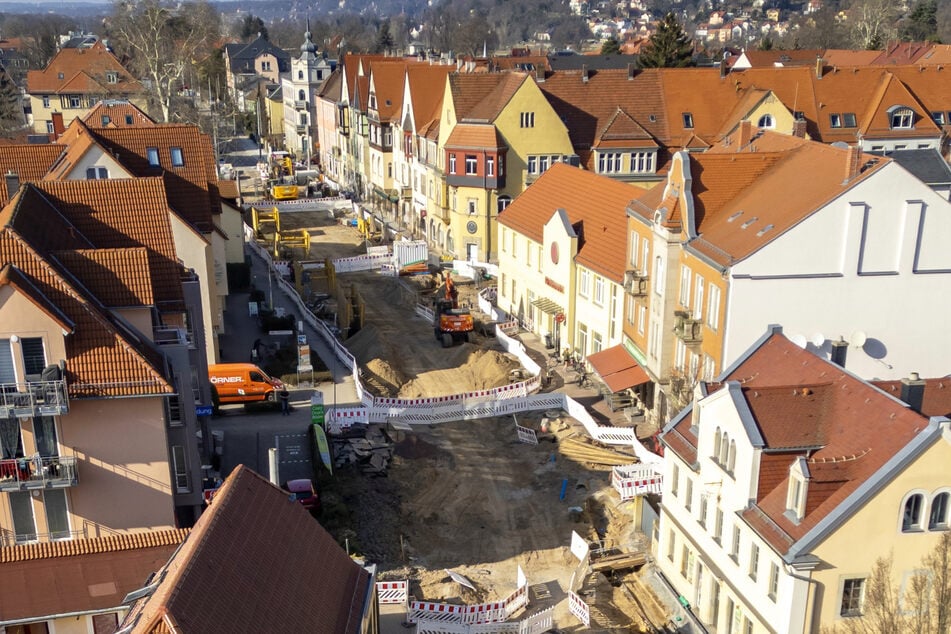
{"points": [[584, 73], [819, 64], [853, 163], [913, 391], [13, 183], [630, 71], [724, 69], [539, 74], [746, 135], [839, 350], [799, 128]]}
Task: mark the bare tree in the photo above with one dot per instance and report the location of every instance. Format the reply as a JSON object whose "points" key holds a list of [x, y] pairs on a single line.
{"points": [[872, 23], [924, 607], [162, 41]]}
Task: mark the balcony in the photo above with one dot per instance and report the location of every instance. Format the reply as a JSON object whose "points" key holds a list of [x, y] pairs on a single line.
{"points": [[300, 105], [301, 129], [686, 328], [171, 336], [635, 284], [27, 474], [406, 193], [33, 398]]}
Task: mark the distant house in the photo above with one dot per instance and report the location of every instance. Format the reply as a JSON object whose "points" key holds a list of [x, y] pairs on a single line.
{"points": [[74, 81], [258, 58], [256, 561]]}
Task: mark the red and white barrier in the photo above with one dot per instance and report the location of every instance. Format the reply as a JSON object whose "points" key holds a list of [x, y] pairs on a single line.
{"points": [[636, 480], [392, 591], [579, 608]]}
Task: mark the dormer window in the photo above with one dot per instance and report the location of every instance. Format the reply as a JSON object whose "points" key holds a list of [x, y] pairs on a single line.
{"points": [[112, 77], [766, 121], [797, 490], [901, 117]]}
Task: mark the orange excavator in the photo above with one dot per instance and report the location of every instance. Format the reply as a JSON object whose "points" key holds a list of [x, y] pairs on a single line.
{"points": [[451, 323]]}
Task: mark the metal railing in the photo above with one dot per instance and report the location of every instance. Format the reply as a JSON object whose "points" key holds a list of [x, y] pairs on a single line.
{"points": [[33, 398], [25, 474], [171, 335], [89, 530]]}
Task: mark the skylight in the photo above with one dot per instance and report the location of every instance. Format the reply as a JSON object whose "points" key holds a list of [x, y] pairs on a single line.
{"points": [[734, 216], [759, 234], [748, 222]]}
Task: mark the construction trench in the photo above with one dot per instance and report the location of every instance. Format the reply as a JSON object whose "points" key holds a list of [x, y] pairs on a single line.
{"points": [[467, 496]]}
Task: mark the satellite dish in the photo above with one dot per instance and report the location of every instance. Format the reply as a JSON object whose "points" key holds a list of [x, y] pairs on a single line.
{"points": [[818, 339], [858, 339], [841, 145], [799, 340]]}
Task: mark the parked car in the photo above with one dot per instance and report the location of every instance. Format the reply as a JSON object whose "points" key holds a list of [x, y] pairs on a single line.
{"points": [[304, 492]]}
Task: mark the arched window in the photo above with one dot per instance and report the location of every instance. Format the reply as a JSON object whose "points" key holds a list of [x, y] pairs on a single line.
{"points": [[911, 515], [724, 450], [938, 518], [300, 74], [731, 460], [716, 444], [901, 117], [766, 121], [449, 244], [300, 95]]}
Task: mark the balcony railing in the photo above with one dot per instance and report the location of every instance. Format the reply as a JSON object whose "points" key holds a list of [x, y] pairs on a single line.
{"points": [[171, 336], [687, 328], [33, 398], [406, 193], [89, 530], [301, 129], [26, 474], [300, 105]]}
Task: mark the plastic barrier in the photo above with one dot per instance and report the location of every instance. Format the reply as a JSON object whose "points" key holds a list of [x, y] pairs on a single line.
{"points": [[392, 591], [579, 608], [635, 480]]}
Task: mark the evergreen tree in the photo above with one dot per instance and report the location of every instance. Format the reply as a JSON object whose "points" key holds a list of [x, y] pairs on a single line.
{"points": [[922, 23], [611, 47], [669, 47], [384, 39], [251, 27]]}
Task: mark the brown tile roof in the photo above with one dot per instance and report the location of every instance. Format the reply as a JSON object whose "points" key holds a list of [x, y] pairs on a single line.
{"points": [[191, 190], [595, 204], [387, 79], [792, 57], [117, 112], [350, 64], [332, 88], [101, 359], [11, 276], [847, 57], [79, 575], [82, 70], [427, 86], [902, 53], [589, 108], [242, 567], [118, 214], [491, 106], [797, 397], [473, 135], [480, 97], [621, 130], [937, 396], [939, 54], [29, 162], [117, 277], [228, 190]]}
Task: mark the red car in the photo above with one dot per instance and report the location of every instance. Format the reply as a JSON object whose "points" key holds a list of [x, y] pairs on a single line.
{"points": [[304, 492]]}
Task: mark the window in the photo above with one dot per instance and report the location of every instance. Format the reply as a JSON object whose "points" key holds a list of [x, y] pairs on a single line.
{"points": [[684, 561], [471, 164], [539, 258], [44, 431], [96, 173], [853, 595], [684, 286], [180, 466], [645, 254], [718, 525], [105, 120], [901, 117], [609, 162], [642, 162], [795, 495], [24, 524], [527, 120], [702, 519], [584, 283], [713, 307], [504, 201], [688, 120], [848, 119], [452, 163], [731, 457], [671, 544], [49, 127], [514, 244], [766, 121], [152, 154], [773, 580], [938, 519], [543, 163], [490, 166], [75, 101], [46, 101], [938, 117], [598, 290], [514, 290], [674, 480], [754, 561], [105, 623], [641, 319], [57, 517], [633, 249], [735, 546], [659, 275], [688, 494], [112, 76], [533, 165], [911, 517], [178, 160], [34, 358], [128, 119], [835, 120]]}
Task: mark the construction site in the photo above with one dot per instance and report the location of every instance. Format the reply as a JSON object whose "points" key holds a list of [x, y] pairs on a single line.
{"points": [[496, 501]]}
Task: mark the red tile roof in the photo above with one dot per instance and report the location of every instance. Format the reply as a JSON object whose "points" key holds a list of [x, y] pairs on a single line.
{"points": [[480, 97], [595, 204], [387, 78], [937, 396], [79, 575], [257, 561], [116, 113], [82, 71], [427, 85], [117, 277], [473, 135], [798, 401], [28, 162]]}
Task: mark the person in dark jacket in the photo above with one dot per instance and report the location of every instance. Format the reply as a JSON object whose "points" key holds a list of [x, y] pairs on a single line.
{"points": [[285, 402]]}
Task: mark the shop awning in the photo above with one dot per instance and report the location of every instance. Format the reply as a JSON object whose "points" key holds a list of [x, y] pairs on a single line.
{"points": [[547, 306], [617, 368]]}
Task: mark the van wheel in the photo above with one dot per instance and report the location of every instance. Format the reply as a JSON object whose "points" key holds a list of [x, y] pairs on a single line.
{"points": [[446, 340], [271, 397]]}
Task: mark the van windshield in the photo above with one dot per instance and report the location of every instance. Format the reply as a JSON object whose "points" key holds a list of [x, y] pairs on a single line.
{"points": [[257, 378]]}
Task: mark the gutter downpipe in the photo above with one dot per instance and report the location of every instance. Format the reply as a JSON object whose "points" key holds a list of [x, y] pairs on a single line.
{"points": [[810, 597]]}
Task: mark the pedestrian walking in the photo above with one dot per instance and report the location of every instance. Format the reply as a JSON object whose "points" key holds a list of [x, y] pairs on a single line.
{"points": [[285, 402]]}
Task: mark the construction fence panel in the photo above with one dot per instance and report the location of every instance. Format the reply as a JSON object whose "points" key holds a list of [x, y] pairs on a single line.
{"points": [[537, 623], [428, 626], [392, 591], [361, 263], [579, 608], [432, 611], [634, 480]]}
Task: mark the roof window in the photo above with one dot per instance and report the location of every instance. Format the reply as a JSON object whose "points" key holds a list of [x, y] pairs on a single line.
{"points": [[848, 119], [748, 222], [178, 160], [938, 117], [152, 154], [761, 232], [835, 120], [688, 120], [734, 216]]}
